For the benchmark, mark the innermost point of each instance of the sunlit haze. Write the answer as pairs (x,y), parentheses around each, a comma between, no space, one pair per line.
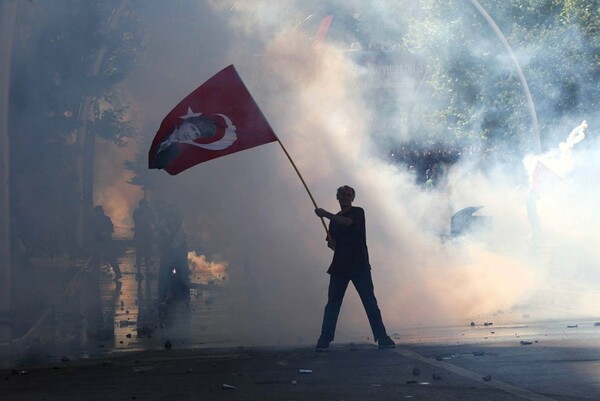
(251,225)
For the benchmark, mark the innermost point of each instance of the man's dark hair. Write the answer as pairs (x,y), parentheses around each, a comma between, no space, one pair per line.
(340,189)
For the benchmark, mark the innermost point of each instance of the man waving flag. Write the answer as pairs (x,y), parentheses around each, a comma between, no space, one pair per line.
(218,118)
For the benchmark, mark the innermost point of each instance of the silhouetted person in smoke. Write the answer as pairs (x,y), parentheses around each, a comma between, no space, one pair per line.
(348,240)
(104,249)
(143,236)
(174,273)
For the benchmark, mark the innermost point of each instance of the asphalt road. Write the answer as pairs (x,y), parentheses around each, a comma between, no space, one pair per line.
(113,347)
(552,371)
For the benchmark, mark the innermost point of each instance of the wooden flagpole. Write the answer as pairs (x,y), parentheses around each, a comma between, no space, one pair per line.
(286,153)
(303,183)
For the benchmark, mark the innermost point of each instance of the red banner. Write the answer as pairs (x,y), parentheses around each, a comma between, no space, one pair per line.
(220,117)
(323,29)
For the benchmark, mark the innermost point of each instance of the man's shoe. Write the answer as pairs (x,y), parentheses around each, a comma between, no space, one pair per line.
(386,342)
(322,345)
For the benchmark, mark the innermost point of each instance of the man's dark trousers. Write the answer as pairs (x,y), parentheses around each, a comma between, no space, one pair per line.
(337,288)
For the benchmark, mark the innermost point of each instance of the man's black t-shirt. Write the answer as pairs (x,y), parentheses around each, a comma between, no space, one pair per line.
(351,254)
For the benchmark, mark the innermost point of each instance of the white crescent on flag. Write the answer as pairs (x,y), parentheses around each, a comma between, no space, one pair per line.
(223,143)
(230,122)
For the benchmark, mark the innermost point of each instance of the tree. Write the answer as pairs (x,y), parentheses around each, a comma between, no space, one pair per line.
(476,90)
(58,49)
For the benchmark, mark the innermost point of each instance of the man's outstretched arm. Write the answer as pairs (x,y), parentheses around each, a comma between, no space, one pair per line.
(343,220)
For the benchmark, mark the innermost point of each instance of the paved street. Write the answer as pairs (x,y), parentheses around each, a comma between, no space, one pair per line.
(346,372)
(111,345)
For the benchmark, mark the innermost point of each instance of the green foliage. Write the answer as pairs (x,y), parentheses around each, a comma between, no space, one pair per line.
(139,166)
(111,122)
(476,90)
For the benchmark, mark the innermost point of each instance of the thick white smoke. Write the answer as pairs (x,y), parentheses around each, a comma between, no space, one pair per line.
(251,210)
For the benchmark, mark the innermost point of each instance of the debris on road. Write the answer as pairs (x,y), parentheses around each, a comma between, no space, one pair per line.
(18,372)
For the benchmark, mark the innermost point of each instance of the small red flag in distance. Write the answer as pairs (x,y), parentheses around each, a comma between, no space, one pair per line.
(323,29)
(220,117)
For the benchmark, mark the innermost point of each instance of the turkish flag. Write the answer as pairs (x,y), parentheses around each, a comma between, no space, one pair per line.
(219,118)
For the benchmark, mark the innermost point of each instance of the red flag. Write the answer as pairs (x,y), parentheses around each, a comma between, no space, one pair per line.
(323,29)
(219,118)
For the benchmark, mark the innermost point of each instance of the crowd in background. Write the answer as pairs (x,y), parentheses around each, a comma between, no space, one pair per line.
(428,163)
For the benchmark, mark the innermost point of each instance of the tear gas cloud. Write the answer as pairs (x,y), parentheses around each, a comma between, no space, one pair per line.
(249,214)
(205,270)
(252,209)
(113,190)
